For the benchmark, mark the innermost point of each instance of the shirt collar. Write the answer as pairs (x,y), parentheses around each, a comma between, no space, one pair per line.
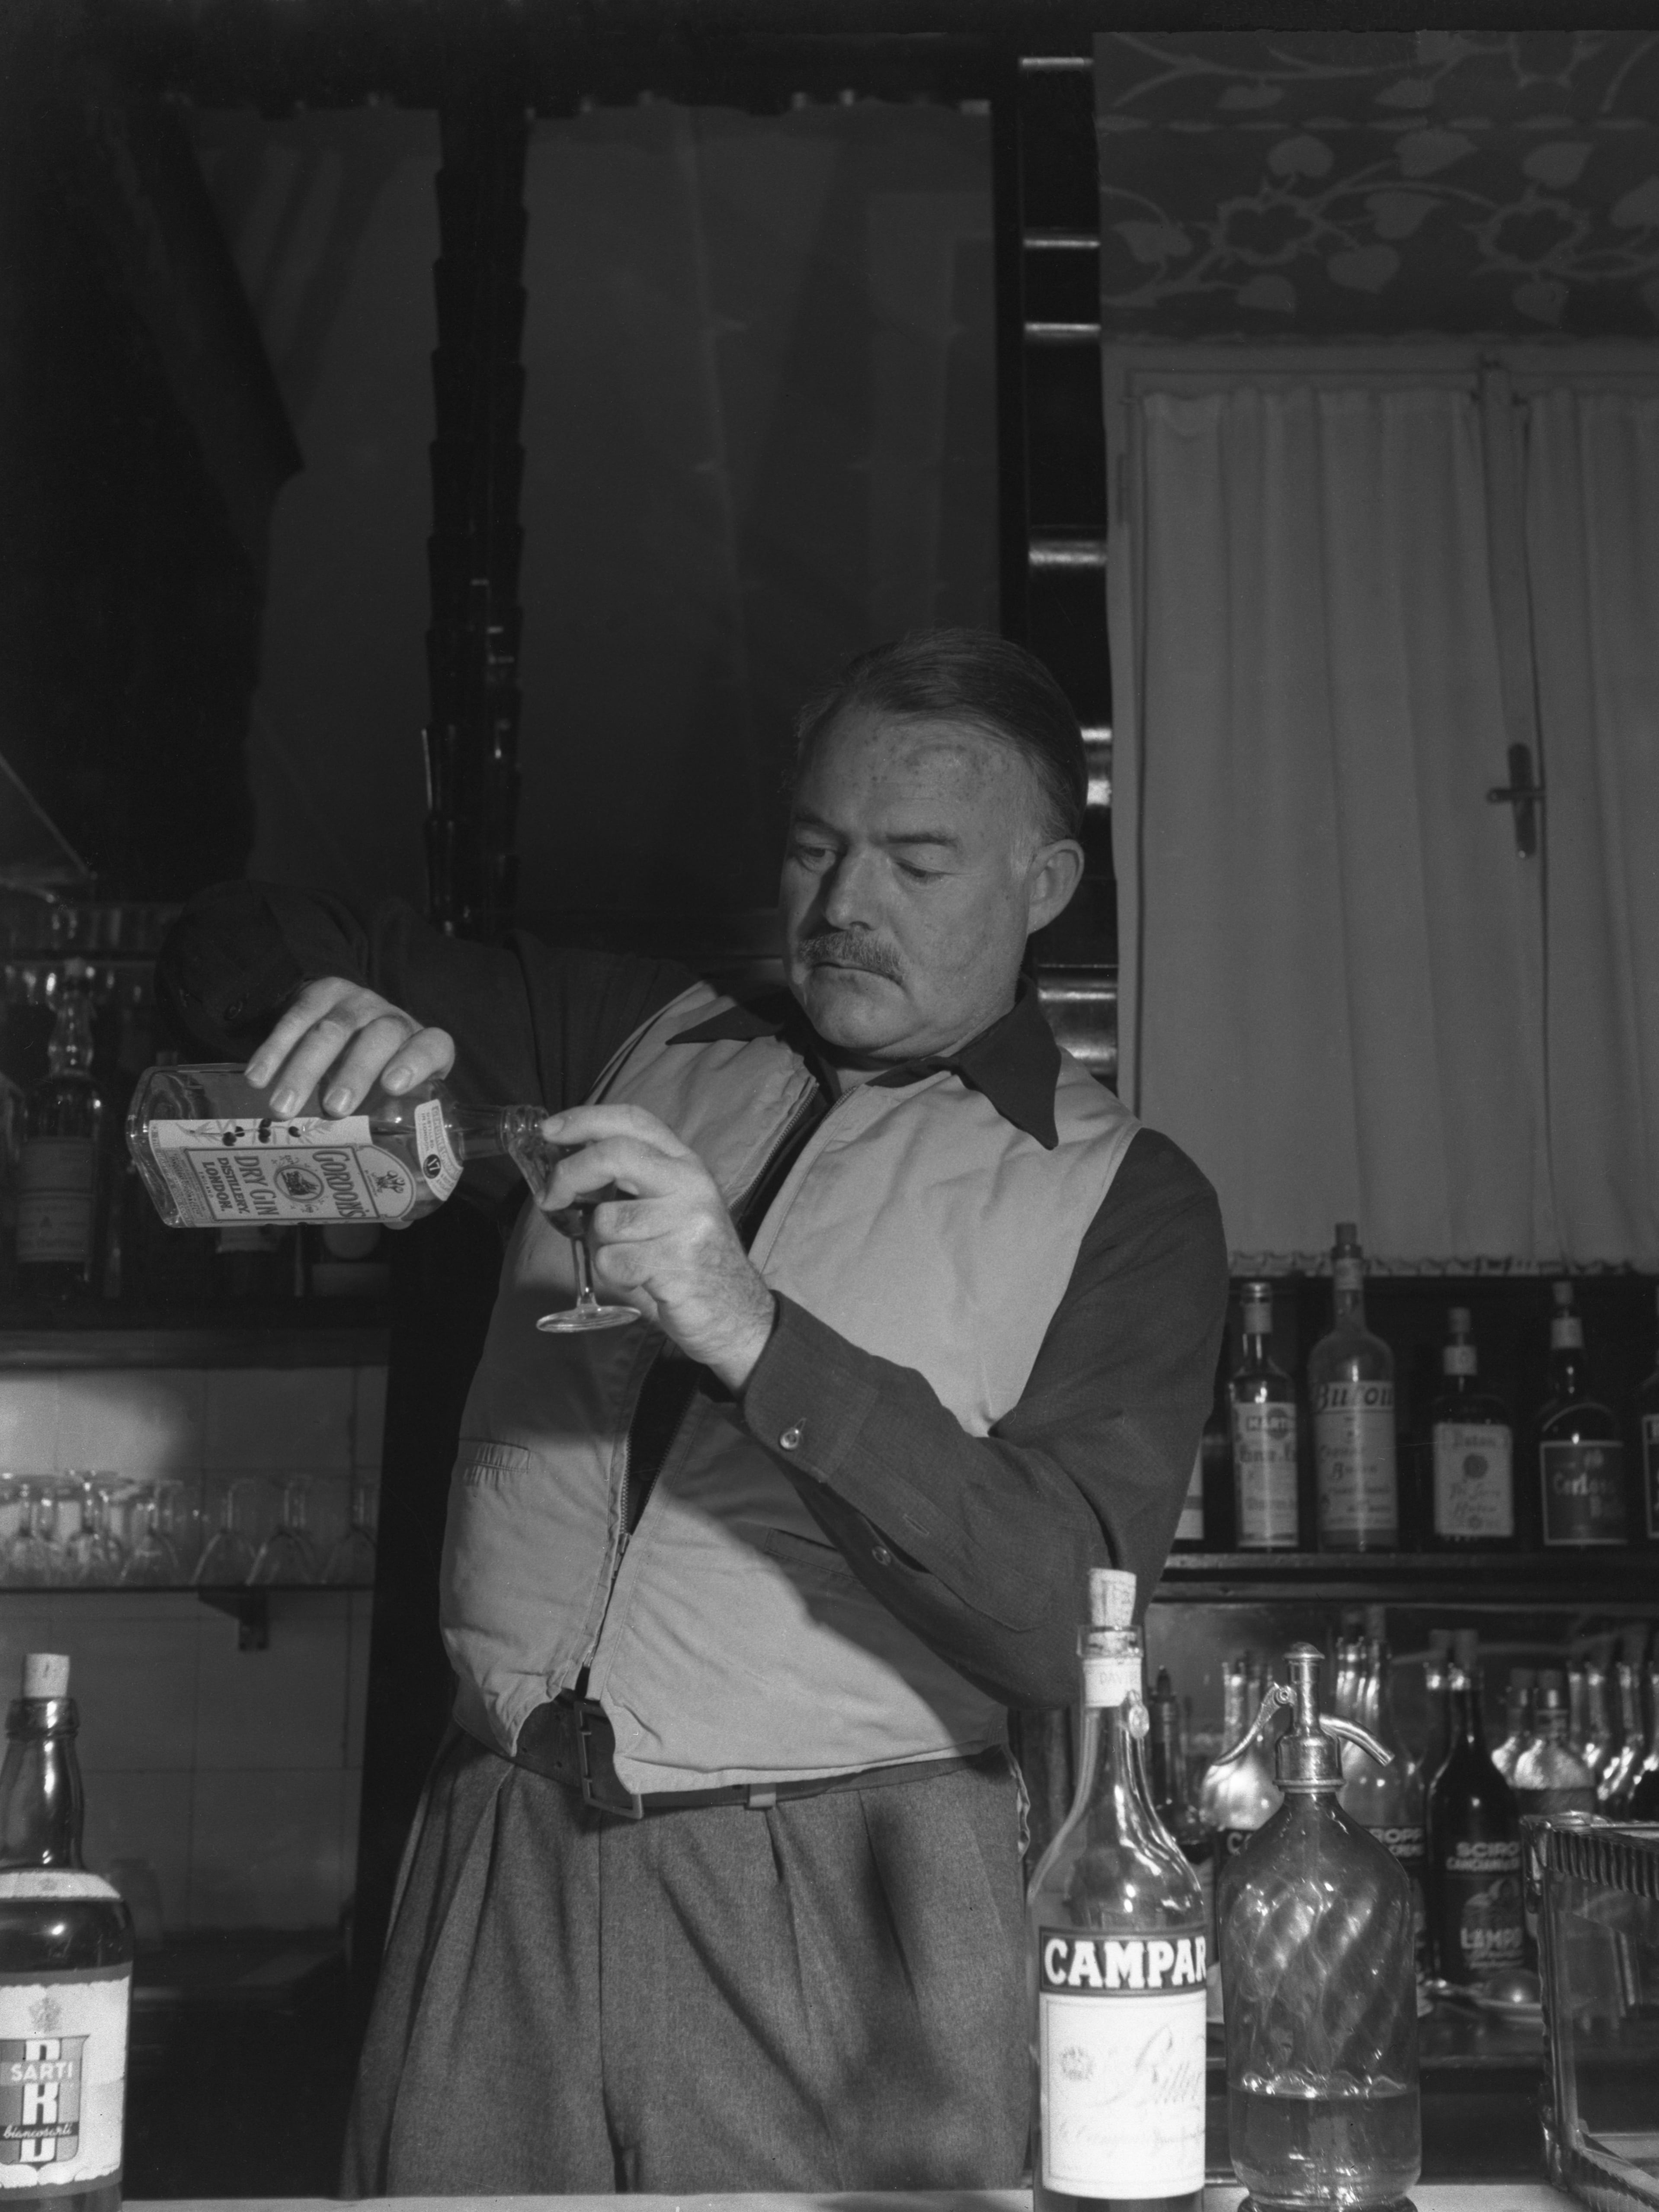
(1015,1063)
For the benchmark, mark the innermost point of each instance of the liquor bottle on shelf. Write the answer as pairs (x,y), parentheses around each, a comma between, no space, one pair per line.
(1647,1417)
(1436,1685)
(1237,1795)
(1171,1787)
(1477,1922)
(1549,1776)
(1517,1721)
(1581,1458)
(1262,1407)
(1471,1454)
(1351,1384)
(1617,1777)
(1589,1731)
(1316,1935)
(66,1945)
(1117,1943)
(1643,1803)
(57,1179)
(1387,1799)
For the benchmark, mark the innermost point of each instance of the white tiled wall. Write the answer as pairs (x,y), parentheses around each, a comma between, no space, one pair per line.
(229,1778)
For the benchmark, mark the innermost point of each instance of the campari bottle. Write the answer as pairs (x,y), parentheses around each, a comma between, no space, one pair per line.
(65,1970)
(1116,1946)
(1263,1405)
(1581,1454)
(1471,1453)
(1351,1383)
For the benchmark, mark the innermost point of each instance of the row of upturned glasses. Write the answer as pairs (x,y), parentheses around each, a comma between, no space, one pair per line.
(91,1528)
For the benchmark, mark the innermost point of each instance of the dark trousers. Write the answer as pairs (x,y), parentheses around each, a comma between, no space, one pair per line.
(826,1994)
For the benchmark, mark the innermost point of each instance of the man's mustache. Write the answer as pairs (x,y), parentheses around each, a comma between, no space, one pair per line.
(847,948)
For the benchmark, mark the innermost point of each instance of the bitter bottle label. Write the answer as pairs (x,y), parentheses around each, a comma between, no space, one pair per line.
(1474,1479)
(1264,1456)
(1121,2061)
(1353,1450)
(1583,1493)
(252,1172)
(56,1179)
(63,2067)
(1481,1909)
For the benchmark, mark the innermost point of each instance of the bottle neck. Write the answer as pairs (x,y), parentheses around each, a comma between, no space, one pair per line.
(70,1051)
(1348,1292)
(1110,1787)
(40,1801)
(1468,1727)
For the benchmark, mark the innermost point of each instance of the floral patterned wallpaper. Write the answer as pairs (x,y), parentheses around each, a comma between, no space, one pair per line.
(1469,184)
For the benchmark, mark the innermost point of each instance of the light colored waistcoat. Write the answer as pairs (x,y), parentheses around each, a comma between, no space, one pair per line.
(728,1641)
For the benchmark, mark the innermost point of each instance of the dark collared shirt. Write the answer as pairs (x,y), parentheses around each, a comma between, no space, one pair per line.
(980,1544)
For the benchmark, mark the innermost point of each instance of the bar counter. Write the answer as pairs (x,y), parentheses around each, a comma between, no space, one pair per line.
(1430,2196)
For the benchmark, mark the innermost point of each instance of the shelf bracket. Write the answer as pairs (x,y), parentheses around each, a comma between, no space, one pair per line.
(249,1608)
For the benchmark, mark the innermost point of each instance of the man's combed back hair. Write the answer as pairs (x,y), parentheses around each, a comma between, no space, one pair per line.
(974,678)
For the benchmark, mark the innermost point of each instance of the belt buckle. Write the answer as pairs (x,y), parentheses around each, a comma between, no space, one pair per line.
(601,1785)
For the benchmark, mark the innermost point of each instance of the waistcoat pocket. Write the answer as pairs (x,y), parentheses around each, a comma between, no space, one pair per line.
(480,1462)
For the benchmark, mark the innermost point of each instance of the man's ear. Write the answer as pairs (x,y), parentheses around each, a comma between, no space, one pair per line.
(1055,873)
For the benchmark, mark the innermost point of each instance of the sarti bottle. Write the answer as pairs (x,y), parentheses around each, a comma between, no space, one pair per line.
(1317,1937)
(65,1970)
(1117,1943)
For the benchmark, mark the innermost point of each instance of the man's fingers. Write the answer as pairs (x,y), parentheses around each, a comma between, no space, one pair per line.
(312,1003)
(590,1125)
(369,1052)
(641,1167)
(339,1038)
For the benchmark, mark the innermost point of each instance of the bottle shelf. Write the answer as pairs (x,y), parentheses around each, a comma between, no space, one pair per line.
(284,1335)
(1556,1582)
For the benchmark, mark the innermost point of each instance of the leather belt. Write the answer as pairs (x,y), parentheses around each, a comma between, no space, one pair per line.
(570,1741)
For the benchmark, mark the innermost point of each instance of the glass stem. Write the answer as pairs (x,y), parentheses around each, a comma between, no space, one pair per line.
(586,1301)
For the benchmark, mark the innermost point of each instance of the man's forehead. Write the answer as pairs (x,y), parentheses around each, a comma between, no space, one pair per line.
(897,757)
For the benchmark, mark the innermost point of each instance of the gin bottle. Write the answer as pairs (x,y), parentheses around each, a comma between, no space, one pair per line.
(1581,1455)
(1117,1943)
(213,1155)
(1262,1402)
(58,1169)
(1471,1453)
(65,1970)
(1351,1383)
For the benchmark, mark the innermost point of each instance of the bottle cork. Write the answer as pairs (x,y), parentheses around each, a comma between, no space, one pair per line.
(45,1674)
(1111,1597)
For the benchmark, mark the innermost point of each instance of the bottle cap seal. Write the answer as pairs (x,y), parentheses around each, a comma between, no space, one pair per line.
(1111,1597)
(45,1674)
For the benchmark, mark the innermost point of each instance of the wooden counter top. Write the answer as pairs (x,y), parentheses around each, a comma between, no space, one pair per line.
(1430,2197)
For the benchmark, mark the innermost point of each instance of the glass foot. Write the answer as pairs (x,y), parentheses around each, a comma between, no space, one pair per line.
(573,1321)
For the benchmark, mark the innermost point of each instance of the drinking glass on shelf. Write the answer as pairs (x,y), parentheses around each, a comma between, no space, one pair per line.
(352,1560)
(287,1554)
(93,1552)
(151,1562)
(178,1520)
(32,1559)
(228,1557)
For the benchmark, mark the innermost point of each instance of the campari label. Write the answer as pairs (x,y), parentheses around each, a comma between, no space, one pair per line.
(1121,2061)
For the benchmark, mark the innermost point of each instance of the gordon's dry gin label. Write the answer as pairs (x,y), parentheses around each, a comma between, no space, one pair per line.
(1583,1486)
(274,1171)
(1264,1466)
(439,1163)
(1353,1454)
(1474,1479)
(1121,2061)
(62,2057)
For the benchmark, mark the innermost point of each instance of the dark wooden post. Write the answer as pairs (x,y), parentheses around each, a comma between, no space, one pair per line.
(478,464)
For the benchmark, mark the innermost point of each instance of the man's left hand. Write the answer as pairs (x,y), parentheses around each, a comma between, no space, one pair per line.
(669,1246)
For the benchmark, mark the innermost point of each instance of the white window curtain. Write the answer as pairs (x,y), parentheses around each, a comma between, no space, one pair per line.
(1334,988)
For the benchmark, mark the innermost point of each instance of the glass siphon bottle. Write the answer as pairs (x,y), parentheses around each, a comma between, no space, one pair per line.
(1319,1989)
(66,1950)
(1549,1776)
(1477,1924)
(1116,1948)
(1581,1457)
(58,1178)
(1471,1453)
(1261,1401)
(1351,1384)
(211,1153)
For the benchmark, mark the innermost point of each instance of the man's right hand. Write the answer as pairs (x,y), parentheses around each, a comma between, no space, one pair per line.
(346,1036)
